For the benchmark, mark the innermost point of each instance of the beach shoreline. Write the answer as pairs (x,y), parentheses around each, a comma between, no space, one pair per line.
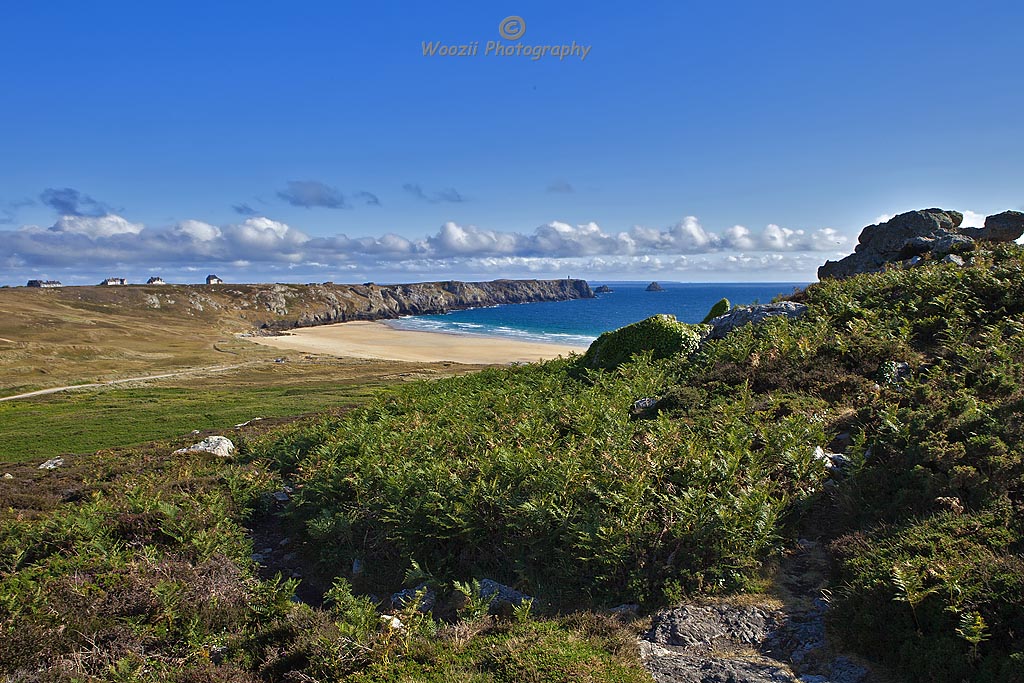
(378,340)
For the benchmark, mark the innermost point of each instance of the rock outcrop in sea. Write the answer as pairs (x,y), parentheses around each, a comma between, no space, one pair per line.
(928,233)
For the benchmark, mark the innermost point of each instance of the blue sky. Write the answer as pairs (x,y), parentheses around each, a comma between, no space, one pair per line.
(314,140)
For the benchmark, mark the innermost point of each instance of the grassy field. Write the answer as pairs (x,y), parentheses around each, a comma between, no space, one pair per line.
(86,420)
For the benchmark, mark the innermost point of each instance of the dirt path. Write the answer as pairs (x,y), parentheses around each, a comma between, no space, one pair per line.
(94,385)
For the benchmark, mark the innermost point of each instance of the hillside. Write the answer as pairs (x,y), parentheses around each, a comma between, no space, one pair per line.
(51,337)
(826,488)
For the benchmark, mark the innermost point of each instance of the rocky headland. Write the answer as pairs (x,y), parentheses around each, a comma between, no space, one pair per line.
(269,308)
(916,236)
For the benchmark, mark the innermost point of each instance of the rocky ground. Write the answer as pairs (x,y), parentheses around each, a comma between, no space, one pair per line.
(761,642)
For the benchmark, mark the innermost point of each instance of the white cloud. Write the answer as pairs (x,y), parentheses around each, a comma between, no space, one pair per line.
(197,230)
(111,241)
(97,226)
(973,220)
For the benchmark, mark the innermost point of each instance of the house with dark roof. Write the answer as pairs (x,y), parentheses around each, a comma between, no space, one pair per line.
(213,280)
(45,284)
(114,282)
(156,280)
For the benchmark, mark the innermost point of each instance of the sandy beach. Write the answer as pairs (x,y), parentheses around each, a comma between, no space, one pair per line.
(377,340)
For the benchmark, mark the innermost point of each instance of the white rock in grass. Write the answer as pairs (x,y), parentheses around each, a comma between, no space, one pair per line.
(218,445)
(52,464)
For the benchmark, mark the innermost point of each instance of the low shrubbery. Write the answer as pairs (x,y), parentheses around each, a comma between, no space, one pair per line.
(661,335)
(544,478)
(540,477)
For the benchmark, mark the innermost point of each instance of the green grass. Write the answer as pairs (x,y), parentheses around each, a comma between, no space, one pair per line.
(88,420)
(540,477)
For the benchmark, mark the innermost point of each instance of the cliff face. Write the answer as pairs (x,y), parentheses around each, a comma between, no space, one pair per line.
(274,307)
(326,304)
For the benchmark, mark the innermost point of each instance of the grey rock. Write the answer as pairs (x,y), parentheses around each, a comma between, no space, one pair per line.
(894,373)
(496,594)
(954,259)
(217,445)
(408,596)
(281,496)
(914,234)
(668,667)
(693,644)
(8,475)
(1002,227)
(627,610)
(644,403)
(655,287)
(693,626)
(951,244)
(744,315)
(835,463)
(392,621)
(52,464)
(951,503)
(845,670)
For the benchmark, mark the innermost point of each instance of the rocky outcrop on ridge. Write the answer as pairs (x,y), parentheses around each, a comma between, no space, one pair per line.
(935,233)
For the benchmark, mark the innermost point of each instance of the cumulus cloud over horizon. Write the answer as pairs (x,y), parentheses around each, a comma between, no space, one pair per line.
(110,240)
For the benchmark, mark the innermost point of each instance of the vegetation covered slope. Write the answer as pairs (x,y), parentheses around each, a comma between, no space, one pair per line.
(538,475)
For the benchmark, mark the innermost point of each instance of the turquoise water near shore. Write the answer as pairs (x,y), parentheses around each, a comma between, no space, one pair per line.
(580,321)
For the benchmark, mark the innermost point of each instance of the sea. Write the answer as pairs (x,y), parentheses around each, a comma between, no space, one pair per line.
(578,322)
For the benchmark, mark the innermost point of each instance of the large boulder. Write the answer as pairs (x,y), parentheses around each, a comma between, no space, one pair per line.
(1002,227)
(744,315)
(934,232)
(217,445)
(886,242)
(661,334)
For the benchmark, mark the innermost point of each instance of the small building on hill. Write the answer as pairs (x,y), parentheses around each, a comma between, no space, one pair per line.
(156,280)
(213,280)
(114,282)
(45,284)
